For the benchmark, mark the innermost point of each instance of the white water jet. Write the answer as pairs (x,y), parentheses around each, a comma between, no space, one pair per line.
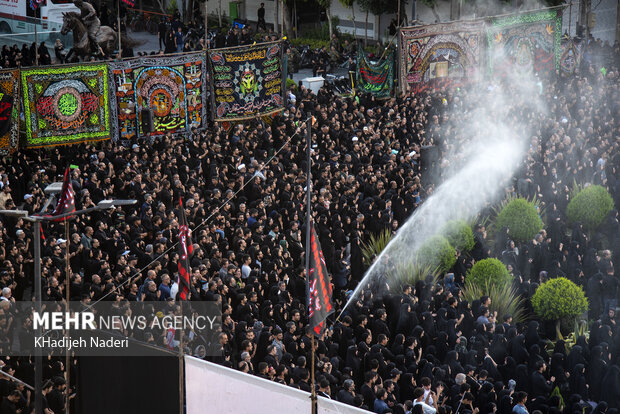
(490,146)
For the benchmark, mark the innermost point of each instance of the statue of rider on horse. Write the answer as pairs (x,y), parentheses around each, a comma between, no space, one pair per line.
(89,37)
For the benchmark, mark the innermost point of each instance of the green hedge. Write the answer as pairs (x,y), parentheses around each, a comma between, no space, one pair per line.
(521,217)
(559,298)
(290,82)
(487,273)
(312,42)
(438,253)
(590,207)
(459,235)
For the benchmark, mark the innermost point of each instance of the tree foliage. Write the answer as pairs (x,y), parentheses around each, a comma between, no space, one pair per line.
(438,253)
(590,207)
(459,235)
(521,217)
(559,298)
(488,273)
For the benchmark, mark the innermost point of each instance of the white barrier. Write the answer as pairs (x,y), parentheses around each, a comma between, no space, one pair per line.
(212,388)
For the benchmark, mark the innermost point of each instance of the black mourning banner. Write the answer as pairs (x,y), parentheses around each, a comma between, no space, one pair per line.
(319,288)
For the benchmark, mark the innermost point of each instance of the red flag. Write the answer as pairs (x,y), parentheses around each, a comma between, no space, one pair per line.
(319,289)
(66,203)
(186,249)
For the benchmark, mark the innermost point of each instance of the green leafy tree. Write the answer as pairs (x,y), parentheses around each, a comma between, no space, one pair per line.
(590,207)
(522,219)
(438,253)
(559,299)
(459,235)
(487,273)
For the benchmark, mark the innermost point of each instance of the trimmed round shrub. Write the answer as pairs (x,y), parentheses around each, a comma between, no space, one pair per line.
(459,235)
(487,273)
(559,298)
(590,206)
(521,217)
(438,253)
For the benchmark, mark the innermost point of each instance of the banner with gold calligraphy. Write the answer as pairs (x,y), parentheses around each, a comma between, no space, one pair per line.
(65,104)
(172,90)
(9,110)
(246,81)
(525,44)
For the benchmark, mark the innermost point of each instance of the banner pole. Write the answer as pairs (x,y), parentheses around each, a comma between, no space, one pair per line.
(313,395)
(308,230)
(67,297)
(118,20)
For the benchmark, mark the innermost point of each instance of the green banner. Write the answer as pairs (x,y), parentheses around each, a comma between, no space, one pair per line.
(376,79)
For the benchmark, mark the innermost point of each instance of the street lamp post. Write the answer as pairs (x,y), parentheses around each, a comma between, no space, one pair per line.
(51,190)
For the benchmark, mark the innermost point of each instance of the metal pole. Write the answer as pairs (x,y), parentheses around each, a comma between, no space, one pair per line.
(181,382)
(282,14)
(398,14)
(570,17)
(206,25)
(36,44)
(308,231)
(38,359)
(118,21)
(67,296)
(313,395)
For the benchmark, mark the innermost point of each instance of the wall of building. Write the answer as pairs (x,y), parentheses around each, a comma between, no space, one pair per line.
(605,11)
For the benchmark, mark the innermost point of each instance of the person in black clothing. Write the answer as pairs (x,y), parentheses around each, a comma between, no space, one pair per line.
(540,387)
(162,29)
(56,397)
(261,18)
(9,403)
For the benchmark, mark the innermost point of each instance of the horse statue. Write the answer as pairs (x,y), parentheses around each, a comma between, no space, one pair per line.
(106,37)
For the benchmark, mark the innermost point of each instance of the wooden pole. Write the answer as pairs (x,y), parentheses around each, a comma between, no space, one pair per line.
(67,297)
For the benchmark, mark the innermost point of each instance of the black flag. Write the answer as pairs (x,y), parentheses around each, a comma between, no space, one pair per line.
(319,289)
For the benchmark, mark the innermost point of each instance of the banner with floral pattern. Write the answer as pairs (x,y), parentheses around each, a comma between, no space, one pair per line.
(437,56)
(172,88)
(66,104)
(9,110)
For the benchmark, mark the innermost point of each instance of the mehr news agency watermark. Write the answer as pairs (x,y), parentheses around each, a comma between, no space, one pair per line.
(115,328)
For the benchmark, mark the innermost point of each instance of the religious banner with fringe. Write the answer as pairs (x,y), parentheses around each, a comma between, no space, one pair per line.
(171,90)
(246,81)
(9,110)
(65,104)
(437,56)
(525,44)
(570,59)
(375,78)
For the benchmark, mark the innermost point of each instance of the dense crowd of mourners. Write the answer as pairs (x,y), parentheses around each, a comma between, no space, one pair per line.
(418,349)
